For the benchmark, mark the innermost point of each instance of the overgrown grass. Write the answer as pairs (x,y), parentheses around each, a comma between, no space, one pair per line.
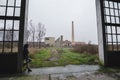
(69,57)
(65,57)
(39,58)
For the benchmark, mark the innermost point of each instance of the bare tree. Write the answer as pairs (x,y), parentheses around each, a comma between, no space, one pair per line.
(36,32)
(32,32)
(40,33)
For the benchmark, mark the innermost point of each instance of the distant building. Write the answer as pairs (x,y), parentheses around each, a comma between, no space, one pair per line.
(50,41)
(36,44)
(78,43)
(59,41)
(67,43)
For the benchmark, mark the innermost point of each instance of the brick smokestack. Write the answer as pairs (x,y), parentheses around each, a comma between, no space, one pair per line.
(72,32)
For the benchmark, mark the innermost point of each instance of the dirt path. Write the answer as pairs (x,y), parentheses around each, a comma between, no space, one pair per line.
(55,55)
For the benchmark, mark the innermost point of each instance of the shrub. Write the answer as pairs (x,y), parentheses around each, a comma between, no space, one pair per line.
(87,48)
(34,50)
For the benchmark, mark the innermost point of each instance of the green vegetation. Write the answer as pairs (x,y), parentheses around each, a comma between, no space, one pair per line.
(109,70)
(61,57)
(39,59)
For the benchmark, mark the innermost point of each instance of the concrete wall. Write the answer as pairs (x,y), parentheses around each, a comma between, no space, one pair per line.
(100,30)
(50,41)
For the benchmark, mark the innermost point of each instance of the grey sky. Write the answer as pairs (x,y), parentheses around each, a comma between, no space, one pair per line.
(57,15)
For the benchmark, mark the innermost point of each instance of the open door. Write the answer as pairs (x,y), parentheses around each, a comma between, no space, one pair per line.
(12,24)
(108,18)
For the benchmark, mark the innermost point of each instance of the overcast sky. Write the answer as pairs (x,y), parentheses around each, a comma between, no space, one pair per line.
(57,16)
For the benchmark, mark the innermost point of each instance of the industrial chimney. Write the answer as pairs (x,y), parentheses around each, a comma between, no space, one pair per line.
(72,31)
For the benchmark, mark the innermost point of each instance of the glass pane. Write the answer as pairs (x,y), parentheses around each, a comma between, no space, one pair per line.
(113,19)
(18,2)
(111,4)
(119,12)
(109,46)
(114,38)
(7,47)
(8,35)
(117,20)
(108,19)
(115,46)
(119,46)
(108,29)
(113,30)
(116,12)
(9,24)
(119,5)
(17,11)
(2,2)
(15,35)
(11,2)
(2,11)
(1,35)
(107,11)
(16,25)
(118,38)
(118,30)
(115,5)
(109,38)
(15,46)
(10,11)
(111,11)
(1,24)
(106,4)
(1,46)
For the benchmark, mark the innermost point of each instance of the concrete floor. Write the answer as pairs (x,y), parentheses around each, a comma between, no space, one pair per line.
(70,72)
